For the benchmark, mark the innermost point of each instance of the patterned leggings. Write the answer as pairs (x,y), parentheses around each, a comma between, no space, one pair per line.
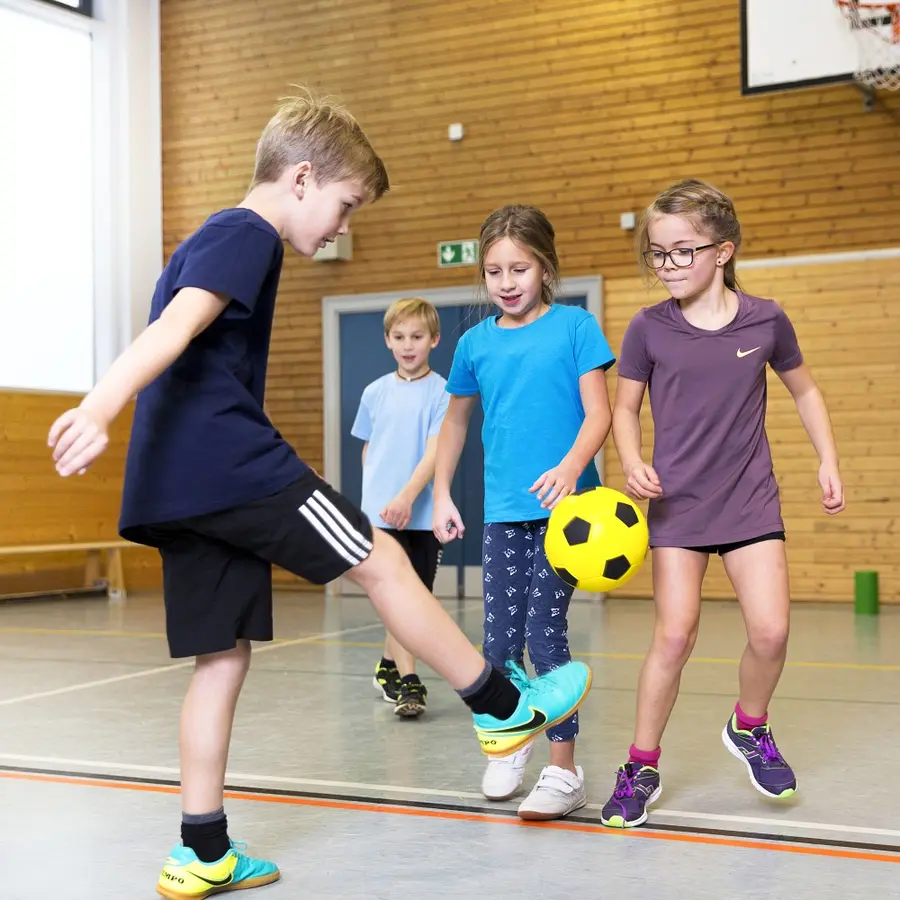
(525,602)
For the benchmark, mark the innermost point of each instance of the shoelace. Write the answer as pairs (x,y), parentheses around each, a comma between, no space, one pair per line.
(625,783)
(417,689)
(521,680)
(518,676)
(768,751)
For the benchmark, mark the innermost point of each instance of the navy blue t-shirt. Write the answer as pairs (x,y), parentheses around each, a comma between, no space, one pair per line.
(201,441)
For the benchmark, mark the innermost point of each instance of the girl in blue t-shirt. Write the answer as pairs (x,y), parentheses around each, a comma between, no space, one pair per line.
(539,369)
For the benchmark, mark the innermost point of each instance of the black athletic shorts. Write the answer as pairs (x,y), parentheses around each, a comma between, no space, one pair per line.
(722,549)
(217,567)
(424,551)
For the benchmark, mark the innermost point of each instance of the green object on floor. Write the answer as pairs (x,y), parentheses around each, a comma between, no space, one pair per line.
(865,594)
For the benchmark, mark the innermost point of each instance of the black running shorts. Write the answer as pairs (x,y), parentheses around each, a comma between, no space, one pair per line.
(217,567)
(424,551)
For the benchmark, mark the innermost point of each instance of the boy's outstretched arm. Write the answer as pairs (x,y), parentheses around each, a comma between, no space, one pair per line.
(79,435)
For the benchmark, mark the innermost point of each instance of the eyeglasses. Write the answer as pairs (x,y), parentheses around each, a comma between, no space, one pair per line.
(681,257)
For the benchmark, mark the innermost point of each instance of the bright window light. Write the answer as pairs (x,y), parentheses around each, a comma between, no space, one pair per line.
(46,230)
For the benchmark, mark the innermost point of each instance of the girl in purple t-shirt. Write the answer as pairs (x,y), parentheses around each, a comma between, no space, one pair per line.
(703,355)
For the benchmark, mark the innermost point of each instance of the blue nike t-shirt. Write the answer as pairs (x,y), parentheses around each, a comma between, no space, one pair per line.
(201,440)
(528,381)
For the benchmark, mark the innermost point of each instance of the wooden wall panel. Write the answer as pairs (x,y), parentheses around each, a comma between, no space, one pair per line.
(39,507)
(584,108)
(847,323)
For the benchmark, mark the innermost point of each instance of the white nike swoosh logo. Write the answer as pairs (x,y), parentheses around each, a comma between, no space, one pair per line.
(742,353)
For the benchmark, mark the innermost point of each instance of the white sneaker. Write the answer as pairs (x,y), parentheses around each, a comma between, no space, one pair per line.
(557,793)
(504,776)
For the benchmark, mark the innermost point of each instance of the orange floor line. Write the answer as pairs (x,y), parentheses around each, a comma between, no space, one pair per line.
(462,816)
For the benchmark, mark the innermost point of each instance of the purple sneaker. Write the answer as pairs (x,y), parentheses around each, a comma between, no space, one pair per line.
(769,773)
(635,790)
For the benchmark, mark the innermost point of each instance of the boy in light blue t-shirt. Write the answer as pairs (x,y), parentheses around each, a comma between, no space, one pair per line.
(399,417)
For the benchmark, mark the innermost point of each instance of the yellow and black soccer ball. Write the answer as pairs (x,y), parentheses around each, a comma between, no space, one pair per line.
(596,539)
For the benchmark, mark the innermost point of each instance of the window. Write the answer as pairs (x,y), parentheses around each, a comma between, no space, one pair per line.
(82,6)
(46,181)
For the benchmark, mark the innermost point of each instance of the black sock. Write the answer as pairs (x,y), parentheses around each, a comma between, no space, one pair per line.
(387,663)
(492,694)
(206,835)
(412,678)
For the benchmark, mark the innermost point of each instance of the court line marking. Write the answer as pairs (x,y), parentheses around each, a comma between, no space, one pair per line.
(325,640)
(174,667)
(284,781)
(103,632)
(461,816)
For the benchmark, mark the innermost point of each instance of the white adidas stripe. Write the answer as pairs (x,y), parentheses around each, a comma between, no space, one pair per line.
(334,528)
(361,539)
(327,535)
(343,531)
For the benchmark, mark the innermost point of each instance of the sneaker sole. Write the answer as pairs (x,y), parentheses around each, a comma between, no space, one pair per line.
(409,710)
(533,815)
(509,749)
(384,694)
(499,798)
(619,822)
(244,885)
(784,795)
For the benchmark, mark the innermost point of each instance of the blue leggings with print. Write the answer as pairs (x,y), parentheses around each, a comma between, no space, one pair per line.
(525,602)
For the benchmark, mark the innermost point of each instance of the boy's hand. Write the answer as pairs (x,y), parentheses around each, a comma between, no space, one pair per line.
(398,512)
(832,489)
(642,482)
(555,484)
(78,438)
(447,522)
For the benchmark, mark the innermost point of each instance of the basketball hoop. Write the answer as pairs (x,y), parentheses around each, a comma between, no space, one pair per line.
(876,29)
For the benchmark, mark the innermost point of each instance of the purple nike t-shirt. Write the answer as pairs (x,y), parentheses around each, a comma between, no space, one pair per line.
(708,399)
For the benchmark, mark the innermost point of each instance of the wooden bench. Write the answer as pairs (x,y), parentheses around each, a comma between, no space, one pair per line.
(103,568)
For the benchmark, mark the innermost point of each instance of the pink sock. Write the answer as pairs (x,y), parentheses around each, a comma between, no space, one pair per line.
(748,723)
(644,757)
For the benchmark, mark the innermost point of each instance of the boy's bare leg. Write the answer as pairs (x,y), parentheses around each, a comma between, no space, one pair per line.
(413,615)
(206,720)
(393,649)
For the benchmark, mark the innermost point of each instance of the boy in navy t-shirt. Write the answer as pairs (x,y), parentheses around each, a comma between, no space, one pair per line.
(399,418)
(212,484)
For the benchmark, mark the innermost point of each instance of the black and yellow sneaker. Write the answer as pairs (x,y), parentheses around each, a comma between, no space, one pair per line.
(413,694)
(387,680)
(185,877)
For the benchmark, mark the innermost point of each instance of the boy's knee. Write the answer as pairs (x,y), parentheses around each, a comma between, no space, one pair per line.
(387,560)
(232,663)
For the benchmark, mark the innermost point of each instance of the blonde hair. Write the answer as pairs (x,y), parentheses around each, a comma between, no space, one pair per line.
(411,308)
(316,129)
(530,229)
(709,211)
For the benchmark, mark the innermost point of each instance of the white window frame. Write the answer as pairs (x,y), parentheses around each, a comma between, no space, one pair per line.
(127,161)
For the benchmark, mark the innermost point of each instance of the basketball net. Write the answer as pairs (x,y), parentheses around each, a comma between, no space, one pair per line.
(876,30)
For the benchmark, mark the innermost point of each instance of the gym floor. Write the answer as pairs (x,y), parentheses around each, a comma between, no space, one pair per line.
(352,802)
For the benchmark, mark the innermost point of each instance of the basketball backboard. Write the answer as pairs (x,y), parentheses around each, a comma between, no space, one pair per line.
(793,44)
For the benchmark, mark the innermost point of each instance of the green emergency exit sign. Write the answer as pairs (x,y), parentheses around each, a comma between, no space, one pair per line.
(457,253)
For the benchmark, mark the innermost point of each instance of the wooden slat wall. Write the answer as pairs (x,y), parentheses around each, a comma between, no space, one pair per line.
(584,108)
(848,326)
(40,507)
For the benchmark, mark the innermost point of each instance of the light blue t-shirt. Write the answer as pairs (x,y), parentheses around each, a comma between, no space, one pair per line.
(397,417)
(528,381)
